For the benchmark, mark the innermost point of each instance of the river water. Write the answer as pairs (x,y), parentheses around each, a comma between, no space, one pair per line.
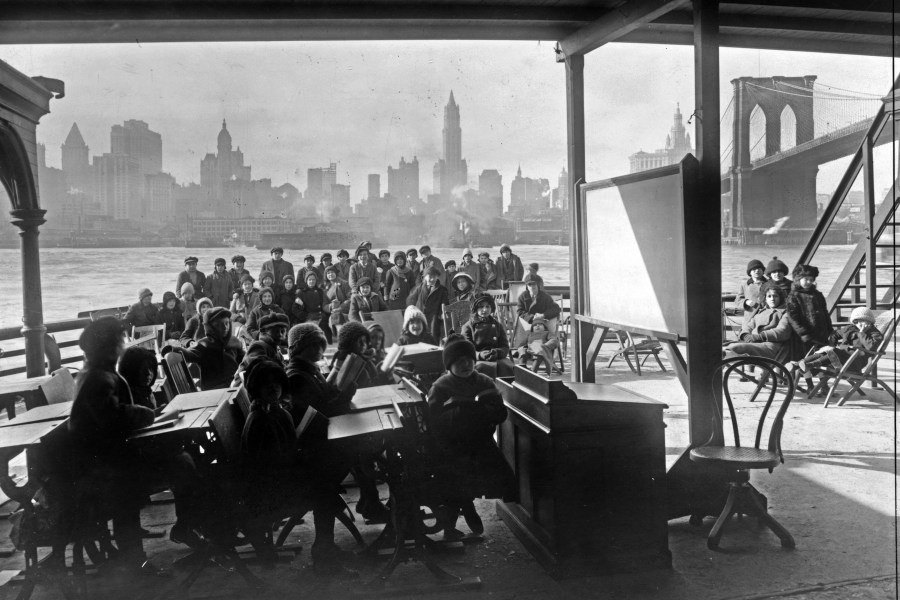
(75,280)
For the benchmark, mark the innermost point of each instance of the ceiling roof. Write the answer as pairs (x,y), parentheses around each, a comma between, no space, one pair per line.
(839,26)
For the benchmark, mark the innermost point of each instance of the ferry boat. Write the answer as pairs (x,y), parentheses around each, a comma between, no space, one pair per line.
(320,235)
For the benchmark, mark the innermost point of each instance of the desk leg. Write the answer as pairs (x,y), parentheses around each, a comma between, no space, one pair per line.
(588,374)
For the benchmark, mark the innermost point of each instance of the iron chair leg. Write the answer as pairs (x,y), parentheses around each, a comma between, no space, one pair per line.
(738,492)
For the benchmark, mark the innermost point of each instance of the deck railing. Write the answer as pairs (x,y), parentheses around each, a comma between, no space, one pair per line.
(13,345)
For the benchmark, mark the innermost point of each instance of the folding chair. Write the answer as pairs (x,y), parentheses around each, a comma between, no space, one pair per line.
(520,333)
(157,330)
(629,349)
(177,372)
(456,315)
(59,388)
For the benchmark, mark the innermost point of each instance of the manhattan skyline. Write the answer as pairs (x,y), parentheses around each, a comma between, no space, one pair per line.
(292,106)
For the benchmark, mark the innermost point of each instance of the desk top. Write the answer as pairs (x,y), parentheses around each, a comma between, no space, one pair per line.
(370,422)
(380,396)
(189,422)
(26,434)
(51,412)
(24,385)
(602,392)
(199,400)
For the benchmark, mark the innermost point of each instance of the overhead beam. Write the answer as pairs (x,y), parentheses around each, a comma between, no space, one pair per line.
(617,22)
(870,6)
(774,23)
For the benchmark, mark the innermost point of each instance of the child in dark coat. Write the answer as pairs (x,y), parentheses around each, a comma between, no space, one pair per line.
(287,299)
(539,344)
(777,273)
(170,315)
(139,369)
(143,312)
(364,303)
(429,297)
(218,354)
(465,409)
(489,337)
(808,311)
(860,333)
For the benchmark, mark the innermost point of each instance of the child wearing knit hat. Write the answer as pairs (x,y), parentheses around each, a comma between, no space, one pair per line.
(748,298)
(861,333)
(415,328)
(143,312)
(465,409)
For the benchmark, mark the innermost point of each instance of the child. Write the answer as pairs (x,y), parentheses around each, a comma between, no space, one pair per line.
(464,428)
(364,303)
(450,268)
(777,272)
(488,274)
(219,286)
(398,282)
(414,328)
(532,268)
(188,304)
(489,337)
(273,478)
(353,339)
(767,331)
(324,263)
(808,311)
(139,369)
(266,305)
(143,312)
(244,301)
(384,265)
(337,306)
(286,298)
(429,297)
(860,333)
(273,329)
(217,354)
(539,344)
(170,315)
(193,331)
(462,288)
(311,302)
(411,255)
(343,266)
(748,298)
(535,302)
(309,267)
(472,268)
(237,271)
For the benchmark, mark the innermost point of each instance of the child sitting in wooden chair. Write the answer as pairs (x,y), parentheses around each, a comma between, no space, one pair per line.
(540,344)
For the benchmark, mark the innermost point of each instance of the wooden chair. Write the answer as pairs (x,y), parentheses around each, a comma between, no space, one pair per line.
(630,349)
(59,388)
(177,372)
(391,322)
(158,330)
(514,289)
(735,462)
(456,315)
(887,325)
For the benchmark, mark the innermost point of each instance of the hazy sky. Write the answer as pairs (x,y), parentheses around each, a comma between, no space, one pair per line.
(292,106)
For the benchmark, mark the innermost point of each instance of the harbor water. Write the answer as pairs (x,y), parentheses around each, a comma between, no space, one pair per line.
(76,280)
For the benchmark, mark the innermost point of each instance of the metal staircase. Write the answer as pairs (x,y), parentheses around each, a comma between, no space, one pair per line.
(877,287)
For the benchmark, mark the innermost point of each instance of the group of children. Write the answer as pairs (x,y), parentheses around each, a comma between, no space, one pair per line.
(788,321)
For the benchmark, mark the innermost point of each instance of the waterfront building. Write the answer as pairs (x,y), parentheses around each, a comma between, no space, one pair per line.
(678,144)
(451,170)
(403,184)
(527,195)
(374,186)
(247,230)
(217,169)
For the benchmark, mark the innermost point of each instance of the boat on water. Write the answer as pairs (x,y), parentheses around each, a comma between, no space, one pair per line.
(320,235)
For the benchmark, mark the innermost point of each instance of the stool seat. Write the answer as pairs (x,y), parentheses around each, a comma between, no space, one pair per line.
(736,457)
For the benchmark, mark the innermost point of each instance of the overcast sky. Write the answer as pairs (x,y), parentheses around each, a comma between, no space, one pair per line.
(363,105)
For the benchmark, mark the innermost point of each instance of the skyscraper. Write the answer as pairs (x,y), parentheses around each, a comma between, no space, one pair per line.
(76,162)
(374,186)
(403,184)
(490,191)
(216,169)
(137,140)
(678,143)
(451,170)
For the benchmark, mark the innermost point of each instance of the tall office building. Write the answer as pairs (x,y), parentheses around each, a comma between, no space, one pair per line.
(490,192)
(374,186)
(119,185)
(403,184)
(451,170)
(561,193)
(76,163)
(528,196)
(216,169)
(678,144)
(137,140)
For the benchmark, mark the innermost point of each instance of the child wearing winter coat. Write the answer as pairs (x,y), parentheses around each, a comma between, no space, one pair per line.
(860,333)
(287,297)
(188,303)
(748,298)
(462,288)
(415,328)
(364,303)
(767,331)
(808,311)
(489,337)
(337,305)
(398,282)
(193,330)
(170,315)
(464,411)
(244,301)
(539,345)
(429,297)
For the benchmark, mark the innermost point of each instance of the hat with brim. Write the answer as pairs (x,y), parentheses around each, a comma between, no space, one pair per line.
(191,259)
(273,320)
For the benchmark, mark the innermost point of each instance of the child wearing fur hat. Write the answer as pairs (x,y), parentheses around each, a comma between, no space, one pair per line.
(143,312)
(429,297)
(219,285)
(193,330)
(489,337)
(464,410)
(170,315)
(354,339)
(244,301)
(217,354)
(861,333)
(188,302)
(266,306)
(462,288)
(398,282)
(808,311)
(364,302)
(748,298)
(777,273)
(415,328)
(539,345)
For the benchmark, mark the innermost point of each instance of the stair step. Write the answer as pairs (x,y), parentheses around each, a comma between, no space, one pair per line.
(862,286)
(856,304)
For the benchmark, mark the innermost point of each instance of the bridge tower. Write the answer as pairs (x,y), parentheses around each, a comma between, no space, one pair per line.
(756,200)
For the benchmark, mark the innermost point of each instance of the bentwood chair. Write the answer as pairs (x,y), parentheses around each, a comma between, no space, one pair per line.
(456,315)
(735,462)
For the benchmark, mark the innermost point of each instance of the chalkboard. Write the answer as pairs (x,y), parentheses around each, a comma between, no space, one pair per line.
(633,250)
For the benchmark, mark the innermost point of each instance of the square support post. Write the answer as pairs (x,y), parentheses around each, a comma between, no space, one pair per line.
(703,248)
(575,145)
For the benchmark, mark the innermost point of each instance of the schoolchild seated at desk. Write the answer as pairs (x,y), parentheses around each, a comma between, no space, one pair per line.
(102,416)
(139,369)
(376,346)
(273,476)
(415,328)
(464,415)
(273,330)
(218,354)
(489,337)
